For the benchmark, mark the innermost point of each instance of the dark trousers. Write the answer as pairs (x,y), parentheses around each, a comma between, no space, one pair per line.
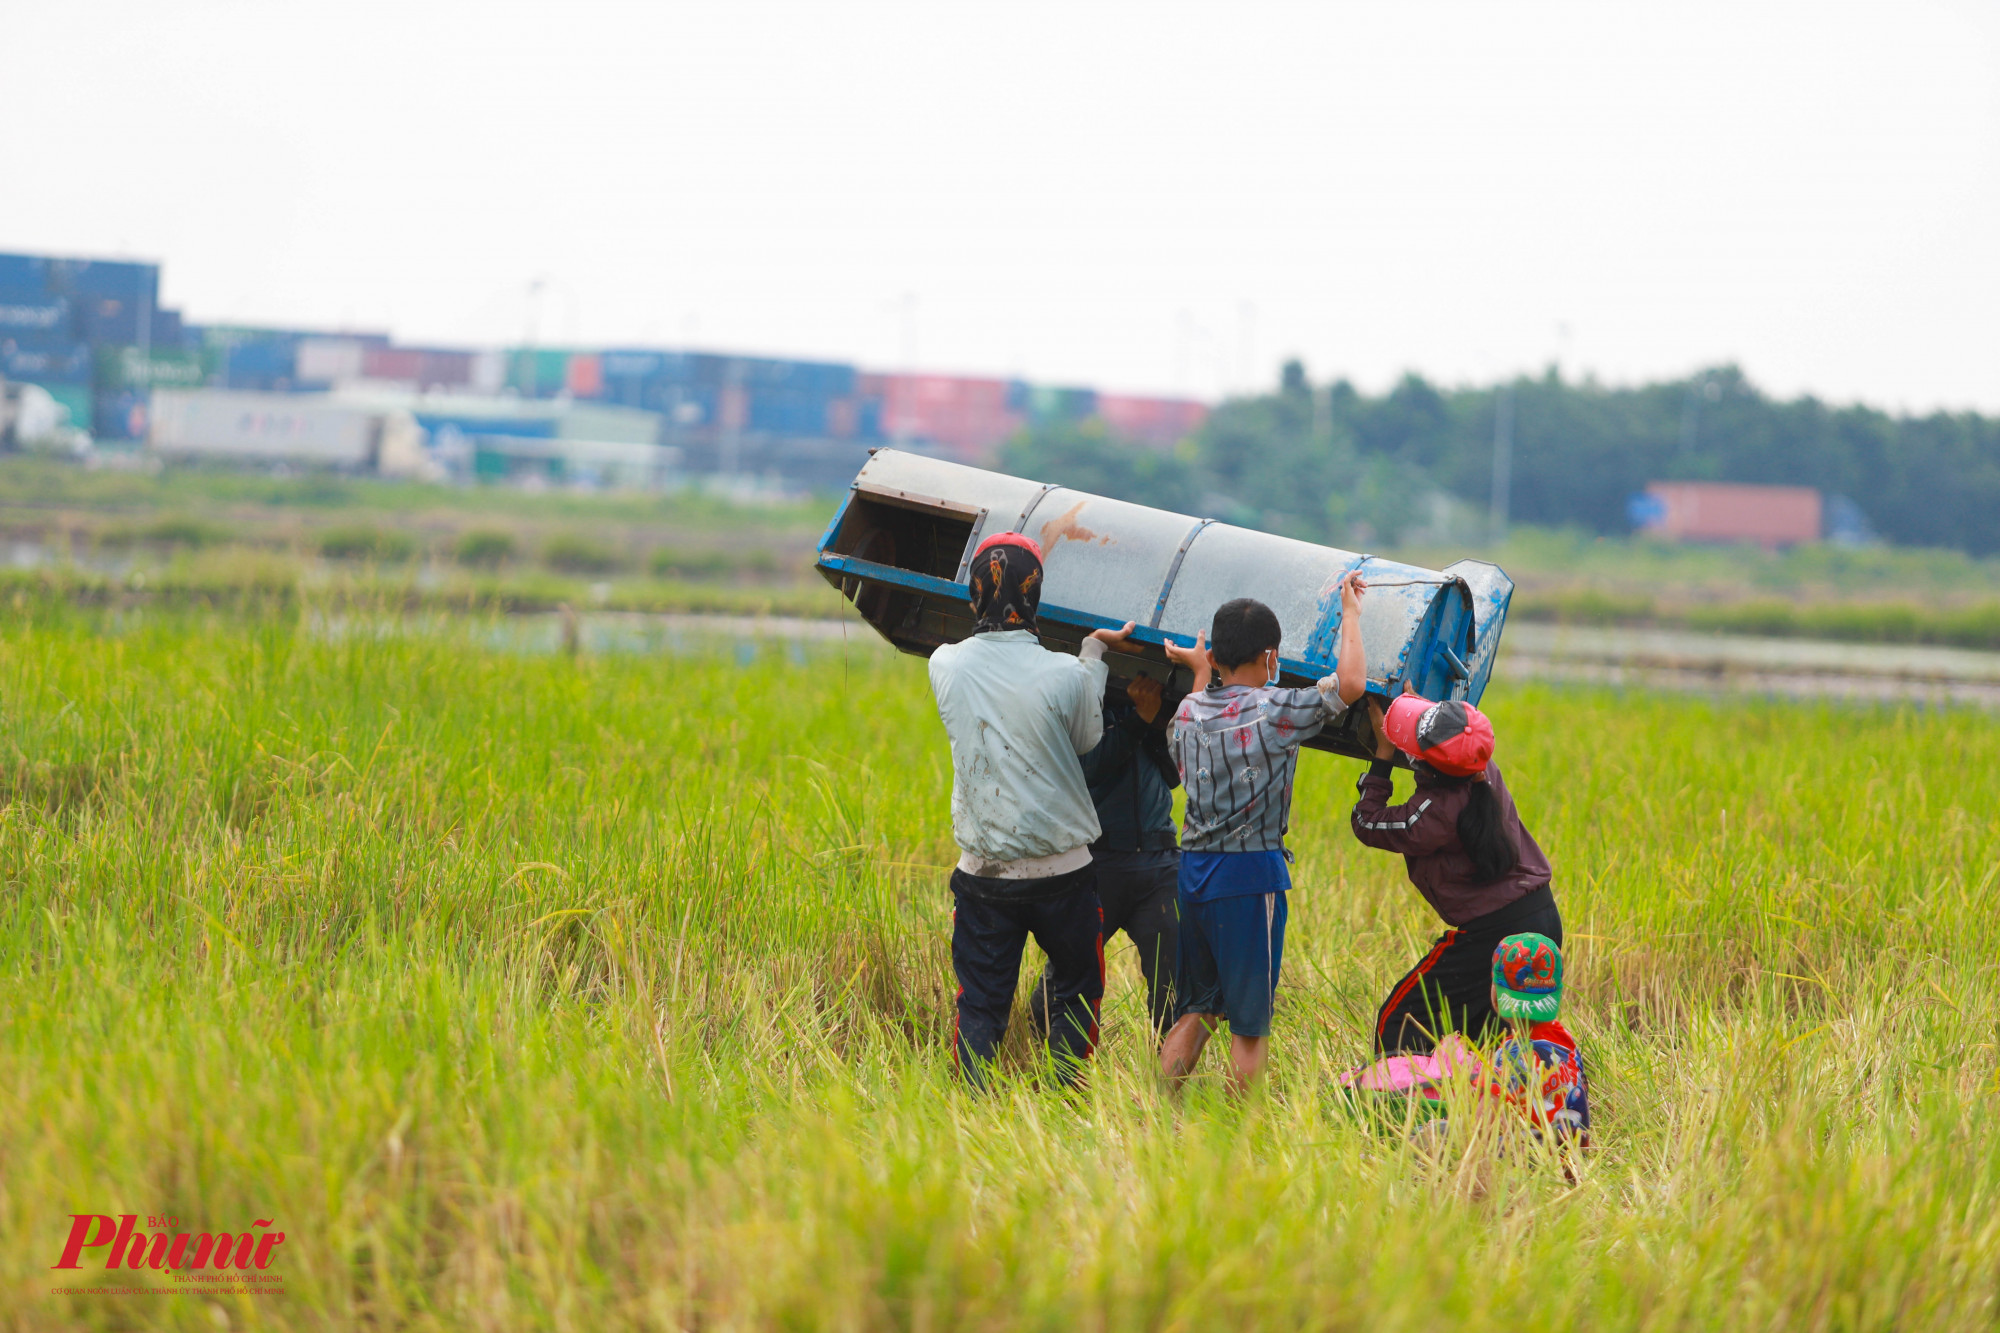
(1450,990)
(988,932)
(1138,893)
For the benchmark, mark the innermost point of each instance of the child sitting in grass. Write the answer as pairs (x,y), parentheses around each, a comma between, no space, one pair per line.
(1535,1072)
(1537,1069)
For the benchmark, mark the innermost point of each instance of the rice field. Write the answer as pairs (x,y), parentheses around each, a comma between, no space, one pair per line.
(613,992)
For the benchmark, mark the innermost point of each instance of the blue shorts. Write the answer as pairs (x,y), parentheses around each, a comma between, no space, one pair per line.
(1230,951)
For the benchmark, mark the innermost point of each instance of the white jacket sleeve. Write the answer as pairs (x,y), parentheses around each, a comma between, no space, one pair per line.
(1086,718)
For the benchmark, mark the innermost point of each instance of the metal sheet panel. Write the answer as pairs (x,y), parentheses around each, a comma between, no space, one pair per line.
(1005,499)
(1291,577)
(1492,591)
(1105,557)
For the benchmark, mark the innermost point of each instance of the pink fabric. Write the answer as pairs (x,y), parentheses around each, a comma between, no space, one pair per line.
(1411,1073)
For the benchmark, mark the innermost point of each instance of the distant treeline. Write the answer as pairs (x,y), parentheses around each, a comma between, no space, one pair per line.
(1330,463)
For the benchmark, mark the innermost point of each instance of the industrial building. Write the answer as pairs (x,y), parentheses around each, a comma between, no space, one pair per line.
(92,337)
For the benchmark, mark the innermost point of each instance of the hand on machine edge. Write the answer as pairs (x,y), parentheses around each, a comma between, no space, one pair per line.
(1352,588)
(1146,696)
(1114,640)
(1384,748)
(1195,659)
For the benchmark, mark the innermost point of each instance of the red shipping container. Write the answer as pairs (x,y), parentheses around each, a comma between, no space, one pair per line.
(966,418)
(586,375)
(733,412)
(1771,516)
(391,363)
(412,365)
(1155,421)
(446,368)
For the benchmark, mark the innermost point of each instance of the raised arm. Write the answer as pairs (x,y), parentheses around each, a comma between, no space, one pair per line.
(1352,666)
(1086,721)
(1410,828)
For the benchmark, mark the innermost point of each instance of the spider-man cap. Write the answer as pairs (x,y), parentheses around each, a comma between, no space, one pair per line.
(1452,737)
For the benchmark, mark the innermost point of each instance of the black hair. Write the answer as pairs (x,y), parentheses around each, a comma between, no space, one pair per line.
(1483,831)
(1482,828)
(1242,629)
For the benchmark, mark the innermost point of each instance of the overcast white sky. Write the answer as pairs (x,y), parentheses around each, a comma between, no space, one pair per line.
(1151,197)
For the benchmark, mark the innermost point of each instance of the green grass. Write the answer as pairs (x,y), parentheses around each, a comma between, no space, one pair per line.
(530,992)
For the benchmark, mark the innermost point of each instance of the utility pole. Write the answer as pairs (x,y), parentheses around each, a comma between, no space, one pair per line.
(1503,459)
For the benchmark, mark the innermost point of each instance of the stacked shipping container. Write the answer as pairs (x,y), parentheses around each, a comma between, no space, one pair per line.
(93,335)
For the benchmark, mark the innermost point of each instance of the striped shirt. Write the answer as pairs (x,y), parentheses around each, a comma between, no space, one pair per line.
(1237,748)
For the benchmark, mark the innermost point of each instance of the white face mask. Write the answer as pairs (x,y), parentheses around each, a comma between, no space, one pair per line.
(1274,666)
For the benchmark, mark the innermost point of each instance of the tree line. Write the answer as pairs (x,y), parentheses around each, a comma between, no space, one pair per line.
(1331,463)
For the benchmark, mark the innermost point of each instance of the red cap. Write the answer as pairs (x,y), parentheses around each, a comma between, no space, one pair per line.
(1019,539)
(1452,737)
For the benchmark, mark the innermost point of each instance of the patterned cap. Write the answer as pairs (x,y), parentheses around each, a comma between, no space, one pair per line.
(1006,579)
(1528,978)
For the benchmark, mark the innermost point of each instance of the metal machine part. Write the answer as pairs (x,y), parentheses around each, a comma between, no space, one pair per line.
(901,543)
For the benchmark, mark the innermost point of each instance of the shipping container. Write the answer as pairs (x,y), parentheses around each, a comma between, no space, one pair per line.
(120,414)
(537,372)
(24,273)
(109,319)
(328,361)
(786,412)
(963,417)
(45,315)
(44,362)
(134,286)
(1050,404)
(130,368)
(265,363)
(167,330)
(584,377)
(1771,516)
(426,368)
(265,427)
(1155,421)
(826,379)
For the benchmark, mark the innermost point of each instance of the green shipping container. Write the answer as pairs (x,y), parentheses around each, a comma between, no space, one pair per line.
(129,368)
(539,372)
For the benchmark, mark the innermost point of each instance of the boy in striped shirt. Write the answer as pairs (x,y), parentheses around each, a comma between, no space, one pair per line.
(1237,746)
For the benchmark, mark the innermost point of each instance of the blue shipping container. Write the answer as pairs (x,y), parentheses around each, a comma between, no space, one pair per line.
(794,414)
(263,363)
(121,415)
(48,316)
(24,273)
(827,379)
(132,284)
(108,319)
(64,363)
(868,421)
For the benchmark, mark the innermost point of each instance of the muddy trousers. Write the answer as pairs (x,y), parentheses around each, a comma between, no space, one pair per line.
(1450,989)
(1140,893)
(988,934)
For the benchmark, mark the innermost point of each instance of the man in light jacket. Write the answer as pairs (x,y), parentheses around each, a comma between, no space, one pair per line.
(1018,715)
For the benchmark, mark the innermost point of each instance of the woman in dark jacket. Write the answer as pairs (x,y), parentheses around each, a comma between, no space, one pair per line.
(1467,854)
